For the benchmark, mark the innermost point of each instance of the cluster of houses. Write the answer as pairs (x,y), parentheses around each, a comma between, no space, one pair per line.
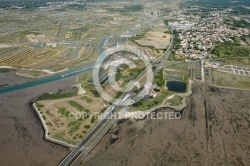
(198,35)
(49,4)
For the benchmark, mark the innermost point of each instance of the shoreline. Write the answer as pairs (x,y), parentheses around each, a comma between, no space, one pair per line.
(146,112)
(46,136)
(47,72)
(22,131)
(129,115)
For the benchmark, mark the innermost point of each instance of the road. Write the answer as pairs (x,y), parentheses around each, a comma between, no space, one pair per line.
(71,73)
(111,110)
(77,150)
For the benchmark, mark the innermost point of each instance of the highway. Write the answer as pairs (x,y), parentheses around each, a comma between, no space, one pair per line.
(98,137)
(73,154)
(111,110)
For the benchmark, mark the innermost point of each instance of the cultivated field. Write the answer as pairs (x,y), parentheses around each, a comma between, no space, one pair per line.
(158,40)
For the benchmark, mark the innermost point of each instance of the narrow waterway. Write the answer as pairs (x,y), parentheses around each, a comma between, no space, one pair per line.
(46,80)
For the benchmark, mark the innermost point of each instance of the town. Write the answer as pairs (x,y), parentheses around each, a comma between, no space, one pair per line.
(132,83)
(198,35)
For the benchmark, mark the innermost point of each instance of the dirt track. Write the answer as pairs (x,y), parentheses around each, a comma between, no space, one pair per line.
(214,130)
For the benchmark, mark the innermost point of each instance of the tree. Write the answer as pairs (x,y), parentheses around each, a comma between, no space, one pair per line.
(166,22)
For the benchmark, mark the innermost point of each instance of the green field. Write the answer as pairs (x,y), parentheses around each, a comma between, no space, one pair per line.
(4,70)
(230,80)
(87,99)
(176,101)
(78,106)
(61,137)
(152,102)
(59,95)
(63,111)
(231,50)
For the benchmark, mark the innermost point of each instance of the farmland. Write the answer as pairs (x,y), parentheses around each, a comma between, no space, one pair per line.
(153,40)
(58,39)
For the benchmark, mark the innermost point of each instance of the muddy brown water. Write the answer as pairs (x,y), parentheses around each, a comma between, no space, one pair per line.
(21,133)
(213,130)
